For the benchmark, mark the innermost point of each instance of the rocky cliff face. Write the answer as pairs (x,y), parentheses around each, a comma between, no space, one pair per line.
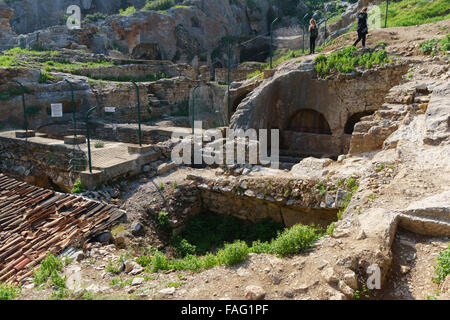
(196,29)
(32,15)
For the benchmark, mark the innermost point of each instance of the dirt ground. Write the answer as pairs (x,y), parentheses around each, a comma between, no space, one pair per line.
(398,39)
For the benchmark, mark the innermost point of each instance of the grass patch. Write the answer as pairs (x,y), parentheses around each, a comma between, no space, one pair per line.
(9,292)
(434,46)
(159,5)
(291,241)
(207,231)
(414,12)
(345,61)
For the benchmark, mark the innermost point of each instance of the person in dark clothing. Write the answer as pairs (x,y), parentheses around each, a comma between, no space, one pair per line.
(313,34)
(363,29)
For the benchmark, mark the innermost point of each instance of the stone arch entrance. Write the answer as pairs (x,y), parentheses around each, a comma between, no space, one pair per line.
(354,119)
(308,121)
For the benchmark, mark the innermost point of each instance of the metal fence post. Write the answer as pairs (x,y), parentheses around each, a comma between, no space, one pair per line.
(88,137)
(139,114)
(25,122)
(193,107)
(271,41)
(73,111)
(387,7)
(229,80)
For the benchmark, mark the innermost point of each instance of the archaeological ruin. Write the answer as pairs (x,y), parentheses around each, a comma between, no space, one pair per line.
(94,204)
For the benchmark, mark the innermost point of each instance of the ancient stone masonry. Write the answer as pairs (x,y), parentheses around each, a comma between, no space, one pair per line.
(39,97)
(402,103)
(46,167)
(312,114)
(141,70)
(221,74)
(288,201)
(6,13)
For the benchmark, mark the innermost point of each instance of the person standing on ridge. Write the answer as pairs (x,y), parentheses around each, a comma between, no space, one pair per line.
(363,29)
(313,34)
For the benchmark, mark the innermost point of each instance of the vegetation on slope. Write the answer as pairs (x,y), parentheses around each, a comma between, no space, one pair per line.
(206,242)
(415,12)
(442,268)
(436,46)
(8,292)
(345,61)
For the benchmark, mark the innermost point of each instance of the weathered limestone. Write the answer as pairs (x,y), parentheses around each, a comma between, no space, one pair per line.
(312,114)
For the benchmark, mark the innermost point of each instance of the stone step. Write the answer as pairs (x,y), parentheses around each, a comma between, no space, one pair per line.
(425,225)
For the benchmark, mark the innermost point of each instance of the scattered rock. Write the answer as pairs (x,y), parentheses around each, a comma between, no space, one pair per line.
(330,275)
(166,167)
(404,269)
(105,237)
(137,281)
(137,229)
(254,293)
(351,280)
(167,291)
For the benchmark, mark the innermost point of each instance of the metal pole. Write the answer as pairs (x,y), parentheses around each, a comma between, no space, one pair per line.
(25,122)
(139,114)
(387,7)
(193,107)
(73,111)
(229,78)
(88,137)
(271,41)
(303,27)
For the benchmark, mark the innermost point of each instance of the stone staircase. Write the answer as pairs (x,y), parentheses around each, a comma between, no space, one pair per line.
(401,101)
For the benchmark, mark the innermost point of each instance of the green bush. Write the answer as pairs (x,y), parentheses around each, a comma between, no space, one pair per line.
(45,76)
(78,187)
(209,231)
(233,253)
(345,61)
(163,221)
(159,262)
(182,246)
(435,46)
(209,261)
(95,17)
(8,292)
(190,262)
(159,5)
(294,240)
(48,266)
(128,11)
(442,268)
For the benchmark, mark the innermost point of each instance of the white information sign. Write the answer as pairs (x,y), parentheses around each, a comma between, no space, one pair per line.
(110,109)
(57,110)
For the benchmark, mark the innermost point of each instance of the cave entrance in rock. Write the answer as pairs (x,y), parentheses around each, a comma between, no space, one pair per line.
(354,119)
(309,121)
(237,102)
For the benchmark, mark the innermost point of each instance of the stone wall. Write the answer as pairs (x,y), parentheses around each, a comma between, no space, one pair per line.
(139,70)
(44,167)
(277,103)
(221,75)
(38,98)
(282,200)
